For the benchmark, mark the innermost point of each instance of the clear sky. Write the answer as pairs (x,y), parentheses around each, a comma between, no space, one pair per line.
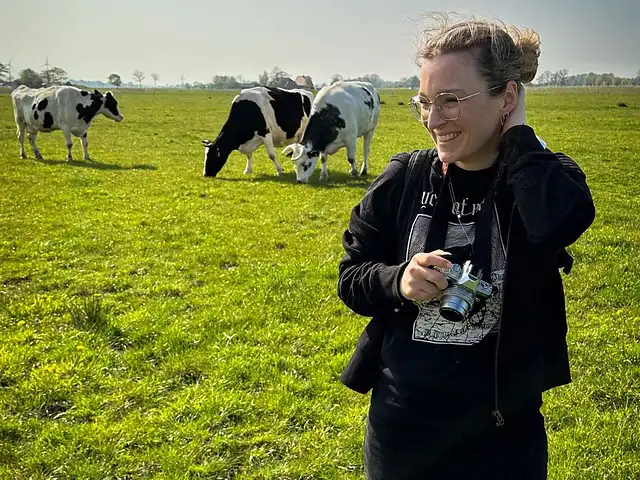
(203,38)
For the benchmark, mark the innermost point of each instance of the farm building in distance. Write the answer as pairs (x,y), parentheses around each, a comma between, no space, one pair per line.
(301,81)
(304,81)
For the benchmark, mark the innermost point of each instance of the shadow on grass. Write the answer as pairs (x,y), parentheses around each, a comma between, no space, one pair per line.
(336,179)
(95,165)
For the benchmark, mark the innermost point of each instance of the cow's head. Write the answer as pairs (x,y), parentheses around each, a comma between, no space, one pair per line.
(304,159)
(214,158)
(109,106)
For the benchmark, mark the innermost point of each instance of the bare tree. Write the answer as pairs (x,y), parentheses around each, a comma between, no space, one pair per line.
(139,76)
(562,76)
(155,77)
(6,70)
(277,73)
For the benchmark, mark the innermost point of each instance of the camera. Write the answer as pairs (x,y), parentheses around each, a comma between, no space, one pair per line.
(463,290)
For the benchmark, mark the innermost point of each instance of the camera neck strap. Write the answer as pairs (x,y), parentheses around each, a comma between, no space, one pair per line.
(437,233)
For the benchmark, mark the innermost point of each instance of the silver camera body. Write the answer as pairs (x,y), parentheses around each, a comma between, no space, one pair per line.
(462,292)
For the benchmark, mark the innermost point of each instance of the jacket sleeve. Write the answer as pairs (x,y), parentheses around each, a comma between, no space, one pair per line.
(368,277)
(550,190)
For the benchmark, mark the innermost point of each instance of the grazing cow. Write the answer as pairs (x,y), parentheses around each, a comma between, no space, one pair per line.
(63,108)
(274,117)
(340,114)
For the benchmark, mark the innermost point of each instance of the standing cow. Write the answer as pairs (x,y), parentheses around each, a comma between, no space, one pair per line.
(63,108)
(340,114)
(274,117)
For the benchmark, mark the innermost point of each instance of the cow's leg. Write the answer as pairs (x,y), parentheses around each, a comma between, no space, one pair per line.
(268,143)
(21,128)
(249,167)
(85,145)
(34,147)
(351,156)
(324,173)
(366,147)
(67,137)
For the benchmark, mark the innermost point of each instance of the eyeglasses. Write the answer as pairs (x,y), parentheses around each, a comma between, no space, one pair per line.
(447,105)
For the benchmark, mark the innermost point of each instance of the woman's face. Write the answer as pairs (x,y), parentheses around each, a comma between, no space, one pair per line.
(471,139)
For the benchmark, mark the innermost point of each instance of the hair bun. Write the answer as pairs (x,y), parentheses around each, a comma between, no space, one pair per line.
(528,41)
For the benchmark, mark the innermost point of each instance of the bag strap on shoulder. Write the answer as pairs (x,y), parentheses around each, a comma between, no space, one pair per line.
(414,172)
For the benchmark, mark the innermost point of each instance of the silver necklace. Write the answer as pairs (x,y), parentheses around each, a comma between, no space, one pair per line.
(458,215)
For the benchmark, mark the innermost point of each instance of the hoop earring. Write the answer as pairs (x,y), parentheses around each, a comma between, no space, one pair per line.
(504,118)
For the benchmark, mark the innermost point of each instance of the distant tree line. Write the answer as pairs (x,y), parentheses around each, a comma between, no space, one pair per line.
(378,82)
(561,78)
(51,75)
(277,75)
(235,82)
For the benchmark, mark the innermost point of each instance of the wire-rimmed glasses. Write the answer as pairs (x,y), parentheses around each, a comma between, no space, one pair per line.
(447,105)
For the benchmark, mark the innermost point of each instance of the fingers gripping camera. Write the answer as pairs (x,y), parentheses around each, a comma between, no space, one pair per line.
(463,291)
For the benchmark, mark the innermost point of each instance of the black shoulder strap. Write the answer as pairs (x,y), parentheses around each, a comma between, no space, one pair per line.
(413,160)
(415,168)
(482,242)
(437,233)
(413,174)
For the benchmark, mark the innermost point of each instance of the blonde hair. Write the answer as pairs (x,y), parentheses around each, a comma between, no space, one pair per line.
(502,52)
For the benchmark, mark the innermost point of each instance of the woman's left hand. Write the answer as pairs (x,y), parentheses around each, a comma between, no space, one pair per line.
(518,115)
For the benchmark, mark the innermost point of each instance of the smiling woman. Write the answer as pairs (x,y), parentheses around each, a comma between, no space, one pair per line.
(485,65)
(455,254)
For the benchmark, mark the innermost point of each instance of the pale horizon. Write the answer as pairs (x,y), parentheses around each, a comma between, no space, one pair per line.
(200,39)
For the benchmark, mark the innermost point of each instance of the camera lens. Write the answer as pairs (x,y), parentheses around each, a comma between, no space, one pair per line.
(451,314)
(456,303)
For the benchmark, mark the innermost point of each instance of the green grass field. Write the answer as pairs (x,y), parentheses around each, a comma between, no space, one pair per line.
(157,324)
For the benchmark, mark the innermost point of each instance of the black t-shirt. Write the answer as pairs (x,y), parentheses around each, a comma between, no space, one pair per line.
(432,367)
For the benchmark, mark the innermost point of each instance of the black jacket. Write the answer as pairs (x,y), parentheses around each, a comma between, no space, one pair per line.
(544,200)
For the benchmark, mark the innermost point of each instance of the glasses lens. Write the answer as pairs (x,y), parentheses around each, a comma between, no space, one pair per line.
(448,106)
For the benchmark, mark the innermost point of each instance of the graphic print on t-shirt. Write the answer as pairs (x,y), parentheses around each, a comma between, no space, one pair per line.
(429,326)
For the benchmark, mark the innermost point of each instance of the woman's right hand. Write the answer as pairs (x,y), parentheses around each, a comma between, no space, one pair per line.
(421,282)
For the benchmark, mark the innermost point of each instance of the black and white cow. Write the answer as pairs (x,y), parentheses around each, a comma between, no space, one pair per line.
(274,117)
(63,108)
(340,114)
